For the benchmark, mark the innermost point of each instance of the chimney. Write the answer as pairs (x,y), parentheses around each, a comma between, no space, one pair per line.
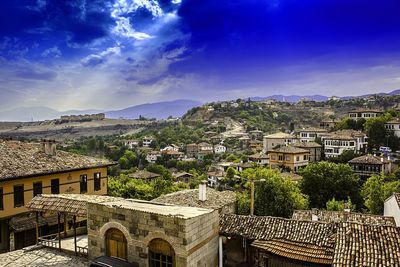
(314,214)
(203,191)
(49,147)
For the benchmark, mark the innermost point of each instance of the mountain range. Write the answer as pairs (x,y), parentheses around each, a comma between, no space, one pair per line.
(158,110)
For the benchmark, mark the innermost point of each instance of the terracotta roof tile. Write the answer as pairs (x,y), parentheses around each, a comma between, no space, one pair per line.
(19,159)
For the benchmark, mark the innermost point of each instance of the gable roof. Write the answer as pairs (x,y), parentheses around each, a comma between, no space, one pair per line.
(215,199)
(340,244)
(144,175)
(307,144)
(367,159)
(20,159)
(280,135)
(342,216)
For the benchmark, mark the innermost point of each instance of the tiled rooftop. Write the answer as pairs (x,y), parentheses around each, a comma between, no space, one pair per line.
(368,159)
(342,216)
(340,244)
(190,198)
(19,159)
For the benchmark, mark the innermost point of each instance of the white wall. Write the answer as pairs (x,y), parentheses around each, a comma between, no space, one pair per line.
(391,208)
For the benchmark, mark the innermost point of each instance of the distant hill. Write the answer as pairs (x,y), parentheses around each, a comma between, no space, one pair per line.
(158,110)
(291,98)
(25,114)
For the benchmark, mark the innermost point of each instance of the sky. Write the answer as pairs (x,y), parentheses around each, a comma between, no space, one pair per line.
(110,54)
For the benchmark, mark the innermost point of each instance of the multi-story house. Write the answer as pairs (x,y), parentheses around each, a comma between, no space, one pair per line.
(192,150)
(152,156)
(289,157)
(337,142)
(310,134)
(314,148)
(28,170)
(367,165)
(147,141)
(171,147)
(278,139)
(364,113)
(131,144)
(259,158)
(219,149)
(394,125)
(204,149)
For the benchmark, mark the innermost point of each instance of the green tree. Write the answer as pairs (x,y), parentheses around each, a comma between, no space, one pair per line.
(334,205)
(323,181)
(376,190)
(275,195)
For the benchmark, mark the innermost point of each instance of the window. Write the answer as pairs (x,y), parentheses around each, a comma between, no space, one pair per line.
(37,188)
(83,183)
(297,158)
(1,200)
(55,186)
(19,195)
(161,254)
(305,157)
(97,181)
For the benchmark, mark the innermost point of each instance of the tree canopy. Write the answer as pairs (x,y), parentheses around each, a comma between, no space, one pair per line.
(324,181)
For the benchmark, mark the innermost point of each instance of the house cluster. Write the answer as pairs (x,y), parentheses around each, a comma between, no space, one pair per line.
(293,151)
(199,227)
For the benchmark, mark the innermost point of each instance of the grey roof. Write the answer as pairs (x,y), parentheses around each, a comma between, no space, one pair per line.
(367,159)
(307,144)
(215,199)
(20,159)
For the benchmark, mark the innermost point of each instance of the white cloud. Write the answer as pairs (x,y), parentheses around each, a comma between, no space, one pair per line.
(96,59)
(52,52)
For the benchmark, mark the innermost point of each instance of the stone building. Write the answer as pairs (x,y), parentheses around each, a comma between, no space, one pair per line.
(140,232)
(152,234)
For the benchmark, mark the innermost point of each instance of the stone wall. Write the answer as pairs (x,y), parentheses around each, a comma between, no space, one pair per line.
(195,240)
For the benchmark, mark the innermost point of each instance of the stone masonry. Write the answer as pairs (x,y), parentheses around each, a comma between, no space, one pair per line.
(192,232)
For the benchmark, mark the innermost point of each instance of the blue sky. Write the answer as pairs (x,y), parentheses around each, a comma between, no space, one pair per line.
(107,54)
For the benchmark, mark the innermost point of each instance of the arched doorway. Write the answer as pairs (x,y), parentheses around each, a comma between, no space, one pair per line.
(116,244)
(161,253)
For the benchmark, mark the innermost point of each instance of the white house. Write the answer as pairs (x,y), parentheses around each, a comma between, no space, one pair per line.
(172,147)
(364,113)
(310,134)
(338,142)
(147,141)
(219,149)
(131,143)
(152,156)
(215,177)
(394,125)
(392,207)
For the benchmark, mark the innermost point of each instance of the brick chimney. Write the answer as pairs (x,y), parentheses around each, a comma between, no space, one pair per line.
(49,147)
(203,191)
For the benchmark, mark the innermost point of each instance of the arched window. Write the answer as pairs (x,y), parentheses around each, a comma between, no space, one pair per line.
(161,253)
(116,244)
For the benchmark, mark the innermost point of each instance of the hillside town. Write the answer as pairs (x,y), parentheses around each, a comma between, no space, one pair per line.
(214,195)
